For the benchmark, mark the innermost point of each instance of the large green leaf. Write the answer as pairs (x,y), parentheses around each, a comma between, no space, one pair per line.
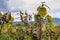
(6,27)
(42,11)
(50,22)
(52,28)
(48,18)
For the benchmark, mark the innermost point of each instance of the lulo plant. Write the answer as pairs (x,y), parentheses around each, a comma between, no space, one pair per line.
(42,14)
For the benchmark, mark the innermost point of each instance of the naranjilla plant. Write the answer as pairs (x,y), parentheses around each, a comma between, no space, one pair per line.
(39,18)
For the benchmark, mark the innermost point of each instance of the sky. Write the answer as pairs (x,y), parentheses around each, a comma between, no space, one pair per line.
(31,7)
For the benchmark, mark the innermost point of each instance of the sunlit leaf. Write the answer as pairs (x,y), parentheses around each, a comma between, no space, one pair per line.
(42,11)
(52,28)
(7,25)
(4,29)
(43,27)
(13,29)
(48,18)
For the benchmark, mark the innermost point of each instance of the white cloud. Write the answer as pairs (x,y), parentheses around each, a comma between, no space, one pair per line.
(14,14)
(54,4)
(4,5)
(25,4)
(55,15)
(31,5)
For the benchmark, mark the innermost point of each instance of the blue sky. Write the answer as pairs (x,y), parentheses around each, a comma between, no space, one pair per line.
(30,6)
(3,5)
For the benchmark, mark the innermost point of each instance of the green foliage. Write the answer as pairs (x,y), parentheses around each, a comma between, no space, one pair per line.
(11,20)
(43,27)
(42,11)
(52,26)
(23,33)
(50,22)
(58,38)
(26,37)
(35,32)
(36,18)
(48,19)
